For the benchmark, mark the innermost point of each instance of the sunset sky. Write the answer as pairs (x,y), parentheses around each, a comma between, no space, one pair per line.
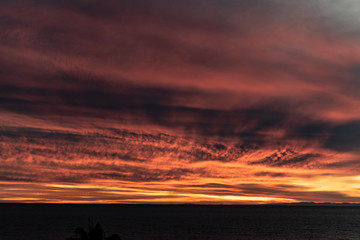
(207,101)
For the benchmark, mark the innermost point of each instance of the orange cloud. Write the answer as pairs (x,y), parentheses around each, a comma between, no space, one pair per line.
(152,102)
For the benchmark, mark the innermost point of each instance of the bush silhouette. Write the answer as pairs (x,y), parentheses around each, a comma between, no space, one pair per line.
(94,233)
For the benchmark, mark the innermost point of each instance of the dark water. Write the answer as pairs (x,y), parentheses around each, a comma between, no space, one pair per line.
(57,222)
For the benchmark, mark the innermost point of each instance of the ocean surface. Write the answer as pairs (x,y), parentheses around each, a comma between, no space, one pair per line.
(167,222)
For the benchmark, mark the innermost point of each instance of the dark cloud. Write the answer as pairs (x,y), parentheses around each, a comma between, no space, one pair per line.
(311,129)
(67,172)
(38,133)
(148,175)
(287,157)
(271,174)
(345,137)
(351,165)
(143,104)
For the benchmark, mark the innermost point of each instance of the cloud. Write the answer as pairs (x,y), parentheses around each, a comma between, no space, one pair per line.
(299,194)
(219,98)
(287,157)
(345,137)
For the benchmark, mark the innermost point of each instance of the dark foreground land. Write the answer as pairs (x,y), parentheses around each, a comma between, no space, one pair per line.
(173,222)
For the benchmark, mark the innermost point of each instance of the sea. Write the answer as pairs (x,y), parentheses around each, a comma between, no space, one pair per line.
(181,222)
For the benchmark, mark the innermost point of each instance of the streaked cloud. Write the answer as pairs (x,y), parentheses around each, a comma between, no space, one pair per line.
(158,101)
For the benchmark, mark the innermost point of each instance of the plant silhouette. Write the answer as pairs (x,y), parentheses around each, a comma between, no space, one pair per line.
(94,233)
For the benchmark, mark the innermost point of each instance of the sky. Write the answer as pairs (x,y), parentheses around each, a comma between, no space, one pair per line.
(205,102)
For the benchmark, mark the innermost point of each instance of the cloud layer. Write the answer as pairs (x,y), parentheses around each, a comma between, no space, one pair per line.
(158,101)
